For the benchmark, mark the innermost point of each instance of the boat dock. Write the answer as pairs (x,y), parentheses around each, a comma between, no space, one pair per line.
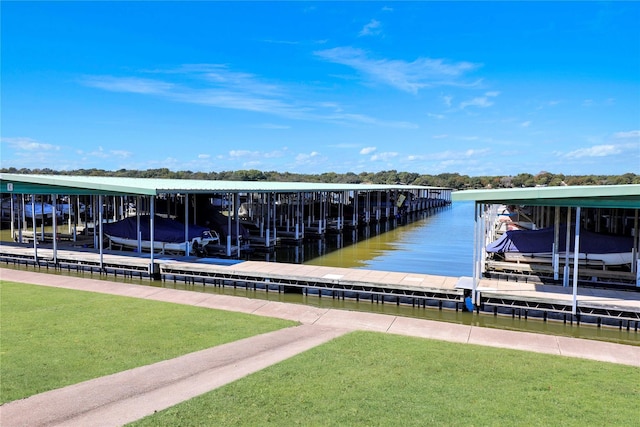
(529,299)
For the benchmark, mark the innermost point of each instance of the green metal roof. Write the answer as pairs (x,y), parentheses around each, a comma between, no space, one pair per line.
(592,196)
(95,185)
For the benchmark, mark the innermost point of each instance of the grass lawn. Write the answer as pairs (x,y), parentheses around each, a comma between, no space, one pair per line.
(53,337)
(372,379)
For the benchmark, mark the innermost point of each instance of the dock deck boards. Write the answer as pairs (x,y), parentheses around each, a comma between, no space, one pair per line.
(525,295)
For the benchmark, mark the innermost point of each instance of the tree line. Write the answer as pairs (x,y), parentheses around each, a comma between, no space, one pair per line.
(393,177)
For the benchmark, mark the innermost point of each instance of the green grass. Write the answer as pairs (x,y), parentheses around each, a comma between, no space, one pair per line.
(370,379)
(53,337)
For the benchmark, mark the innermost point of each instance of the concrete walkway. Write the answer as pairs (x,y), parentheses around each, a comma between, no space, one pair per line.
(127,396)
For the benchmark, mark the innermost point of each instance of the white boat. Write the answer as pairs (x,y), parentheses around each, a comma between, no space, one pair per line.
(195,244)
(69,209)
(42,210)
(537,246)
(169,235)
(510,217)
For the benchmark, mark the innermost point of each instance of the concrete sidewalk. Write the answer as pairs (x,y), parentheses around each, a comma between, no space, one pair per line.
(127,396)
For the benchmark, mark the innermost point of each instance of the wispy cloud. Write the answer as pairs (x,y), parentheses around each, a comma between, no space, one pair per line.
(128,84)
(248,154)
(384,156)
(304,157)
(449,158)
(101,153)
(272,126)
(367,150)
(595,103)
(481,101)
(595,151)
(633,134)
(461,154)
(304,161)
(28,144)
(626,143)
(406,76)
(371,29)
(216,85)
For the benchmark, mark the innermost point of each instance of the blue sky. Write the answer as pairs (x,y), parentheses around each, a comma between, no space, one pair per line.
(477,88)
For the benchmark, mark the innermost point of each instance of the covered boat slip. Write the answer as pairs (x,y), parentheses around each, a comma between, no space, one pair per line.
(244,214)
(611,307)
(579,236)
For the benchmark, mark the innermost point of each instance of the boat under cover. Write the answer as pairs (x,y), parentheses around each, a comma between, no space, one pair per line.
(604,248)
(168,234)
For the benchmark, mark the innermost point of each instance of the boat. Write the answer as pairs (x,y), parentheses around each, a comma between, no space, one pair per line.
(511,217)
(68,208)
(169,235)
(537,246)
(42,210)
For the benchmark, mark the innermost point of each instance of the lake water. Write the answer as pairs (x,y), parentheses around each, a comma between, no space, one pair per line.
(440,244)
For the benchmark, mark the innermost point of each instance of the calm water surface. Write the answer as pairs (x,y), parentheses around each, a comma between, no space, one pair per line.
(440,244)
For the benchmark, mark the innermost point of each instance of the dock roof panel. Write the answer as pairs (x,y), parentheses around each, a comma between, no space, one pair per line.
(72,185)
(593,196)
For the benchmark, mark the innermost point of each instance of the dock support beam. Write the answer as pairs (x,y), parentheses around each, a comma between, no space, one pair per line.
(576,255)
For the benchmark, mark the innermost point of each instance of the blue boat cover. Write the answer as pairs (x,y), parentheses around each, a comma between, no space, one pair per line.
(540,241)
(165,230)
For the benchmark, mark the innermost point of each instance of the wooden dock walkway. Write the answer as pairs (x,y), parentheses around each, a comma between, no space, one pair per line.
(517,298)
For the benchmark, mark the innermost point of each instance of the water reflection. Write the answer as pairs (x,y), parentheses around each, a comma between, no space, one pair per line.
(438,243)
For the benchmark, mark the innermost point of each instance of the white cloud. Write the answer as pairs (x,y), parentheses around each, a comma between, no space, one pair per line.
(624,135)
(526,124)
(243,153)
(127,84)
(481,101)
(302,157)
(368,150)
(121,153)
(384,156)
(247,154)
(406,76)
(204,156)
(101,153)
(272,126)
(436,116)
(450,155)
(216,85)
(371,29)
(303,161)
(476,102)
(595,151)
(442,136)
(551,103)
(28,144)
